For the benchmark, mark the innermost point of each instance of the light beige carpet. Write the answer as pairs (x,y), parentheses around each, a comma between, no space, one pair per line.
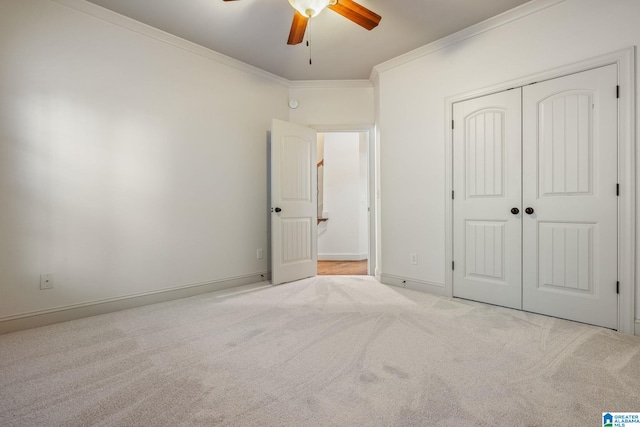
(327,351)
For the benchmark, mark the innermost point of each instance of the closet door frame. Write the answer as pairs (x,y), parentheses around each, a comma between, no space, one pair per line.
(625,60)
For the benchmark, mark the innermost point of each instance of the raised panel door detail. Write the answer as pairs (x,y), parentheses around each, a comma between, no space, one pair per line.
(485,249)
(565,141)
(485,142)
(565,258)
(296,238)
(570,159)
(487,238)
(296,171)
(293,202)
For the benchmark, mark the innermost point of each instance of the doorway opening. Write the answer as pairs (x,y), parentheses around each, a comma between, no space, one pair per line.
(343,162)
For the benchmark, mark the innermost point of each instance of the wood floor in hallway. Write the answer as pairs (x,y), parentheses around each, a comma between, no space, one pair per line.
(353,268)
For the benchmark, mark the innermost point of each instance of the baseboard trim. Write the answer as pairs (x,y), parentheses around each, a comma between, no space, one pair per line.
(78,311)
(342,257)
(637,331)
(415,284)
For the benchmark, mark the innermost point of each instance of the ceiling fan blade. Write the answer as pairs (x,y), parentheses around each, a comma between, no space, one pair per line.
(356,13)
(298,27)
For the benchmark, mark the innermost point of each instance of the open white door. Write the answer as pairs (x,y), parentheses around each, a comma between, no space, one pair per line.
(294,219)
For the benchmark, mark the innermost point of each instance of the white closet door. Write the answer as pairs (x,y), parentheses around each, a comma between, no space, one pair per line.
(487,185)
(569,180)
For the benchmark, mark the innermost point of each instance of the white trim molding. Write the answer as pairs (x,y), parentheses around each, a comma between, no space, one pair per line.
(363,127)
(373,184)
(130,24)
(114,18)
(93,308)
(414,284)
(627,160)
(472,31)
(328,84)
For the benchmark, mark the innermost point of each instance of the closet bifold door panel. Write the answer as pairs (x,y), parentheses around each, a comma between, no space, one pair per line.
(487,211)
(569,188)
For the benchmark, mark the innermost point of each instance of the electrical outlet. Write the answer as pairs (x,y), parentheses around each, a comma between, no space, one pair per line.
(413,258)
(259,254)
(46,281)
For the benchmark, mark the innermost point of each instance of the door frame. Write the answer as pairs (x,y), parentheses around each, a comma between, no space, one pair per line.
(625,60)
(372,192)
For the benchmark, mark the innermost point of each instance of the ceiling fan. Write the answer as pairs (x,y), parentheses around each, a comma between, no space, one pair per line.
(306,9)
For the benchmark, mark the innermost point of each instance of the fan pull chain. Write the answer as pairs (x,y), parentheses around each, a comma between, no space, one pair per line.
(308,37)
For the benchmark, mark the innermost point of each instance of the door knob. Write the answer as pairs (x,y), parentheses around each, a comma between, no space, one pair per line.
(515,211)
(529,211)
(278,210)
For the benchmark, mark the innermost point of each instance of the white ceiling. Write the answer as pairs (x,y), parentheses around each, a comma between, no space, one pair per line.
(256,31)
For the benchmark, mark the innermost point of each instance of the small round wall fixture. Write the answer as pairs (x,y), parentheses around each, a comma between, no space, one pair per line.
(293,104)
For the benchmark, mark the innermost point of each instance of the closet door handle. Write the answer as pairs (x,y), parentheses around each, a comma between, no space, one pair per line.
(529,211)
(515,211)
(278,210)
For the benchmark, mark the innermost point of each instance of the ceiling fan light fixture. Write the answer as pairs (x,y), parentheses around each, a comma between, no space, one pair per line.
(310,8)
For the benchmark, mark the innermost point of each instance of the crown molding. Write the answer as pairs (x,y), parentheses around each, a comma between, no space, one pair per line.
(329,84)
(111,17)
(375,75)
(504,18)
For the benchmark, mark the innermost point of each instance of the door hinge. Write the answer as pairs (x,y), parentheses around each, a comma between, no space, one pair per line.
(617,287)
(617,189)
(452,124)
(453,265)
(618,91)
(453,195)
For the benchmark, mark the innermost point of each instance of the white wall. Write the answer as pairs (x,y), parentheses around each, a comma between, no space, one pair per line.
(340,238)
(128,165)
(338,103)
(412,138)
